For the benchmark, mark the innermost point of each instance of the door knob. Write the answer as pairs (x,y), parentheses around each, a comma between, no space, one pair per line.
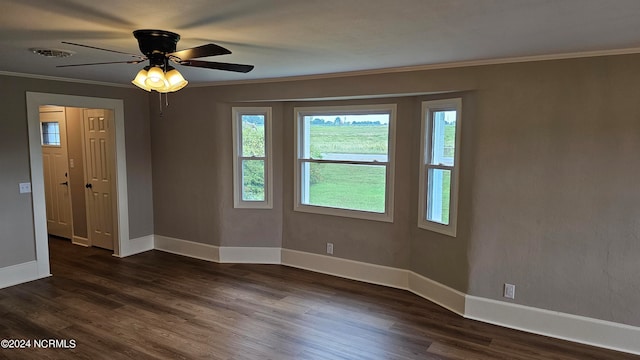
(66,183)
(89,186)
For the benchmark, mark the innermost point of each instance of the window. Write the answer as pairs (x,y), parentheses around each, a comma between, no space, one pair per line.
(344,161)
(439,165)
(51,133)
(252,170)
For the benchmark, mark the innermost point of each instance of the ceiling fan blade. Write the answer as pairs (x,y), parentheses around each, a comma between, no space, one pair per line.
(218,65)
(200,52)
(104,63)
(97,48)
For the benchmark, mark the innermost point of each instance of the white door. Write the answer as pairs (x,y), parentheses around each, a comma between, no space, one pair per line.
(56,171)
(99,177)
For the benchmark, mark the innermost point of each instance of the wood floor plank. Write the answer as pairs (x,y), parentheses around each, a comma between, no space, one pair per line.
(157,305)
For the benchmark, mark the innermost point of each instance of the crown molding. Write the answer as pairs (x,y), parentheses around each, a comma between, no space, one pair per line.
(439,66)
(56,78)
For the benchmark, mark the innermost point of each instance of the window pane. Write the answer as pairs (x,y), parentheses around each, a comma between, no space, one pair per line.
(439,193)
(253,180)
(444,137)
(362,137)
(353,187)
(50,133)
(253,143)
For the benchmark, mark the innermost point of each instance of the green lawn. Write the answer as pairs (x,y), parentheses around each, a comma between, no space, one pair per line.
(349,139)
(354,187)
(348,186)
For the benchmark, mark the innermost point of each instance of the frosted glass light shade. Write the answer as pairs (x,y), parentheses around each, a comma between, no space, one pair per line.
(139,81)
(176,80)
(156,80)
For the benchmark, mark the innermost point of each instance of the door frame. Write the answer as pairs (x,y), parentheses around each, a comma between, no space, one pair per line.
(34,101)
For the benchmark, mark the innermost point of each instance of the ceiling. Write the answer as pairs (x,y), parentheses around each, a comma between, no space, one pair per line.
(292,38)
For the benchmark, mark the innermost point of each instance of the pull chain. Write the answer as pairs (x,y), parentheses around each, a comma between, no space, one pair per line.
(166,102)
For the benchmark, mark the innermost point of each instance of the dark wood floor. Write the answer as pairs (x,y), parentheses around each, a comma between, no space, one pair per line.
(158,305)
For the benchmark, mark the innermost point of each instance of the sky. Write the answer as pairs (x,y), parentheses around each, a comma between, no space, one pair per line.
(383,118)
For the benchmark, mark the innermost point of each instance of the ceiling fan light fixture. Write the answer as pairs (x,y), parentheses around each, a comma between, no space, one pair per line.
(140,79)
(154,78)
(159,47)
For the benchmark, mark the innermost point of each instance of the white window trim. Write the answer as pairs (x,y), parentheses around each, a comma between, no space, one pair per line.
(428,107)
(237,158)
(299,113)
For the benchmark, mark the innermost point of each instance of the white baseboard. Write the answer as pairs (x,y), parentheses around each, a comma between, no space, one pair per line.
(590,331)
(79,240)
(350,269)
(137,246)
(20,273)
(252,255)
(225,254)
(433,291)
(437,293)
(187,248)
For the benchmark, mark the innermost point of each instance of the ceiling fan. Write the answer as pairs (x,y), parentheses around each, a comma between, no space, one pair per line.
(159,47)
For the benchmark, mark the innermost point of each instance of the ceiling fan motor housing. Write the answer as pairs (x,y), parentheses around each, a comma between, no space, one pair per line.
(156,44)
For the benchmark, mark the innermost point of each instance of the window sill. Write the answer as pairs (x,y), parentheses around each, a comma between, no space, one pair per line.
(253,205)
(449,230)
(355,214)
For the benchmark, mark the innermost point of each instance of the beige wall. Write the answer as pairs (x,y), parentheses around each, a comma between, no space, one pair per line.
(556,201)
(548,196)
(17,244)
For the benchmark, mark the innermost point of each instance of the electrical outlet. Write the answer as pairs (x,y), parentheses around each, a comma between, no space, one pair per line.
(25,188)
(330,248)
(509,291)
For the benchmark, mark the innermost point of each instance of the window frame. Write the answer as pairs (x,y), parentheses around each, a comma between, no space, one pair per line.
(299,114)
(238,202)
(426,146)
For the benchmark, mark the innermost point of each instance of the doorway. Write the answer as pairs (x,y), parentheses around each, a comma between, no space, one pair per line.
(78,158)
(34,101)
